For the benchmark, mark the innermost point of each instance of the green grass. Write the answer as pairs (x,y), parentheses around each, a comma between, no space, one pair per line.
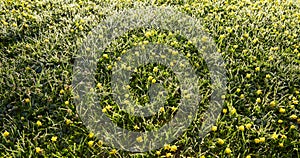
(259,42)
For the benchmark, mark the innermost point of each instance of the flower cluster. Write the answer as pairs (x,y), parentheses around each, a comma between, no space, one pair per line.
(258,40)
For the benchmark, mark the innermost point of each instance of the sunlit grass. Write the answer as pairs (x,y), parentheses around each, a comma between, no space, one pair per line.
(258,40)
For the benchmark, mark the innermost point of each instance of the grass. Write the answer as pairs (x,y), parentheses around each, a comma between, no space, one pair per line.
(258,40)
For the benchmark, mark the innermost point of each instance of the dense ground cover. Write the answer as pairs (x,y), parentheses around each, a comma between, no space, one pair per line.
(258,40)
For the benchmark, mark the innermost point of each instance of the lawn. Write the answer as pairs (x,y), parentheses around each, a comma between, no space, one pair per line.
(42,111)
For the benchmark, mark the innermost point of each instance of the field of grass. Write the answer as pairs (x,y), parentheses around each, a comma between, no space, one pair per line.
(258,40)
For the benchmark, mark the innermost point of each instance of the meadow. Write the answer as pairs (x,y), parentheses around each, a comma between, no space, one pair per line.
(258,40)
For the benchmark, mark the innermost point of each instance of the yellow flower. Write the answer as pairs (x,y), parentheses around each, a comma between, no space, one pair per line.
(257,69)
(92,89)
(39,123)
(157,153)
(256,140)
(68,121)
(280,121)
(274,136)
(38,150)
(222,36)
(227,150)
(109,67)
(174,52)
(104,110)
(214,128)
(5,23)
(268,76)
(155,69)
(283,136)
(294,117)
(105,56)
(91,135)
(248,156)
(202,156)
(148,34)
(259,92)
(232,111)
(262,139)
(258,100)
(54,139)
(27,68)
(292,126)
(241,128)
(272,103)
(150,78)
(238,90)
(27,100)
(281,110)
(242,96)
(173,148)
(6,134)
(248,125)
(255,40)
(153,81)
(91,143)
(292,106)
(167,147)
(280,145)
(99,85)
(62,91)
(220,141)
(171,64)
(248,76)
(162,109)
(174,109)
(246,35)
(139,139)
(136,127)
(168,154)
(224,111)
(27,46)
(67,102)
(108,107)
